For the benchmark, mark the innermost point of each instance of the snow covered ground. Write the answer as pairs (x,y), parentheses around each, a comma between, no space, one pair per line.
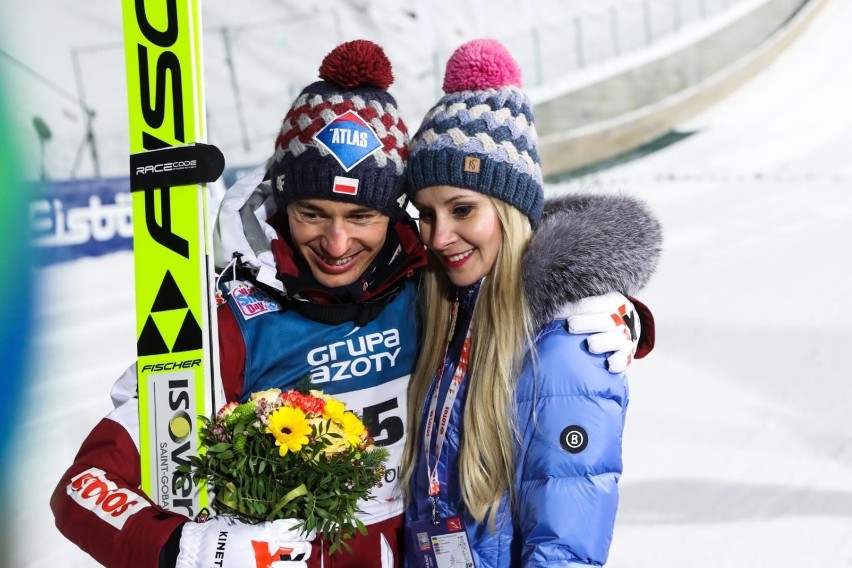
(738,449)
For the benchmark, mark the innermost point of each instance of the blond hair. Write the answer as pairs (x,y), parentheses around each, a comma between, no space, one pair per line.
(501,336)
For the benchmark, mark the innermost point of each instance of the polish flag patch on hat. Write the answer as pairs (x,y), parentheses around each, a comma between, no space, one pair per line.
(346,185)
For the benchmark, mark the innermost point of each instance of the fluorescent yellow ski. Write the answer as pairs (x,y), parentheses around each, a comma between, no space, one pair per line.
(177,343)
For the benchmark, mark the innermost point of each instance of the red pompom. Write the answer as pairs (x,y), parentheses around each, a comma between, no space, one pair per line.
(358,63)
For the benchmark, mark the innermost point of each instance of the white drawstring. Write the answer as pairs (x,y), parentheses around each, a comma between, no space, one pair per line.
(233,266)
(220,300)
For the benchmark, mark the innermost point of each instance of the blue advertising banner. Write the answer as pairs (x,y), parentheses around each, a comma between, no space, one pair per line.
(76,218)
(71,219)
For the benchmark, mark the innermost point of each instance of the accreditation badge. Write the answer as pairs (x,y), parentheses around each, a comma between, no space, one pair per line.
(444,545)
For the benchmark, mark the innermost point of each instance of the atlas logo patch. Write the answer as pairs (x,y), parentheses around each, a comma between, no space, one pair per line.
(345,185)
(574,439)
(349,139)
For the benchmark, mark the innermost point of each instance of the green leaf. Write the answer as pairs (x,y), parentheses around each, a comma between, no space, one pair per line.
(304,384)
(361,528)
(297,492)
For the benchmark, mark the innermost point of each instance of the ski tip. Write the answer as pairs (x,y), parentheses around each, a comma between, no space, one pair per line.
(357,63)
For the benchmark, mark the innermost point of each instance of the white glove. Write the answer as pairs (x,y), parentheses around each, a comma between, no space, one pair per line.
(228,543)
(613,324)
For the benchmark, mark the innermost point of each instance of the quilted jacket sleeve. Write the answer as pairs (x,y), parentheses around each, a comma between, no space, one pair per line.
(571,414)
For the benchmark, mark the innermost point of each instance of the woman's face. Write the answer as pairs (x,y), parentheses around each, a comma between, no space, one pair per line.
(462,229)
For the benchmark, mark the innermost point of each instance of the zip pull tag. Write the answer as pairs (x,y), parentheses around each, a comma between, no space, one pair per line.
(434,501)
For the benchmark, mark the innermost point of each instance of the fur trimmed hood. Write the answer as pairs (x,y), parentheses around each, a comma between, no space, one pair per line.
(588,245)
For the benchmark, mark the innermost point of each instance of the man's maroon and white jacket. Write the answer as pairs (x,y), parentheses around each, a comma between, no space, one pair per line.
(98,504)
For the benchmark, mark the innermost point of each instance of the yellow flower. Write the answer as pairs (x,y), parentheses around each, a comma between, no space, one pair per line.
(353,429)
(334,409)
(349,430)
(290,429)
(336,444)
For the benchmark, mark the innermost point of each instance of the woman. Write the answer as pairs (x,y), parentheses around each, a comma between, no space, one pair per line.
(514,455)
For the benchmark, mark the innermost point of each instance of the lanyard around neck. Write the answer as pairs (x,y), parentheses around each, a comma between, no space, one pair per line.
(446,409)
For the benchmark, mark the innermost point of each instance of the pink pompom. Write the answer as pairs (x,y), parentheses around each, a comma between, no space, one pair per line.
(481,64)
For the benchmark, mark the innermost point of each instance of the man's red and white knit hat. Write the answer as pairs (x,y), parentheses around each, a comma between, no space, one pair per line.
(343,138)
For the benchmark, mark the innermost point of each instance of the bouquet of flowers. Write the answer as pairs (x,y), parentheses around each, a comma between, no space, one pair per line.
(293,454)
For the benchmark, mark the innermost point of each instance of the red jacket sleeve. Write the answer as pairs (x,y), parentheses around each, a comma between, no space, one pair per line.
(647,337)
(98,505)
(232,353)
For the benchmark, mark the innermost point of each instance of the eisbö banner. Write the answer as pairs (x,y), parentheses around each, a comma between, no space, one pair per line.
(71,219)
(77,218)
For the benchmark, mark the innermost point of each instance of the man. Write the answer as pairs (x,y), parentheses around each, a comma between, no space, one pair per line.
(318,260)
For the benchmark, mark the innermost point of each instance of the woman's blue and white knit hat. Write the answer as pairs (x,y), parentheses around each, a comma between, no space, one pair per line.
(481,134)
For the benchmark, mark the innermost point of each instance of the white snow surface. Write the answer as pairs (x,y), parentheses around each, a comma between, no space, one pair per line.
(738,443)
